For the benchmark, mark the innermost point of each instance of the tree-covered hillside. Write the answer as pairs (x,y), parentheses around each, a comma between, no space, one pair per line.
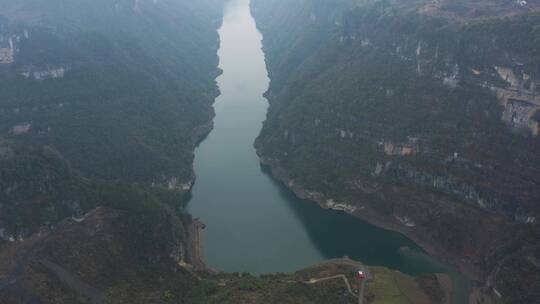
(120,88)
(417,116)
(101,106)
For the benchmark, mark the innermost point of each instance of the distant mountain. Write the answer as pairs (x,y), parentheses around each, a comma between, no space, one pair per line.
(418,116)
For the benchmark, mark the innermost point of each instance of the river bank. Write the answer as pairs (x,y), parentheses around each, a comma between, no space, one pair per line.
(253,225)
(366,214)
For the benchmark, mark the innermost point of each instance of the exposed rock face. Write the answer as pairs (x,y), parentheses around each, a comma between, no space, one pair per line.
(175,184)
(21,129)
(520,98)
(7,53)
(49,73)
(6,56)
(423,118)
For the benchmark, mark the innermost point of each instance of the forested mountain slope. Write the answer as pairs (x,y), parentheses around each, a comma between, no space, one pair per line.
(418,116)
(101,106)
(114,90)
(109,82)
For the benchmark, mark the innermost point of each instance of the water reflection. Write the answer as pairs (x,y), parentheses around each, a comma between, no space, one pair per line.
(337,234)
(253,223)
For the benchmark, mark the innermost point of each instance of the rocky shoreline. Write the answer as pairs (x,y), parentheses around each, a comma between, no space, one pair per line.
(194,244)
(370,216)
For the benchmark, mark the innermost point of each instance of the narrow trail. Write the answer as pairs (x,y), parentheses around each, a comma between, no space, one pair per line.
(94,294)
(361,294)
(345,261)
(342,276)
(347,283)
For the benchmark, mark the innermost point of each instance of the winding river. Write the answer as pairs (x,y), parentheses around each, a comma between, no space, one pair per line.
(253,223)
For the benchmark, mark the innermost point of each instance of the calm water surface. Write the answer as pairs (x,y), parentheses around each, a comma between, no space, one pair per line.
(253,223)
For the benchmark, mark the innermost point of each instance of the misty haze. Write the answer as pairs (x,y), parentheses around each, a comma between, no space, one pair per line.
(269,151)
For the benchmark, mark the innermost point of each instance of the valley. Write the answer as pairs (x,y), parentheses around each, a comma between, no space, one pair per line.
(265,151)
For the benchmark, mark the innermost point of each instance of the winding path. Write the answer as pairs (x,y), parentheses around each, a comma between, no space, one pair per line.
(94,294)
(347,283)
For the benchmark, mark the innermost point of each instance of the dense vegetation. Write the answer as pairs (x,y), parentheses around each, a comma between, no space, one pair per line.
(387,105)
(395,110)
(98,256)
(136,82)
(102,105)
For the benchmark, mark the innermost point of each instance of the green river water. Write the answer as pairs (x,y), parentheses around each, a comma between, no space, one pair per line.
(254,224)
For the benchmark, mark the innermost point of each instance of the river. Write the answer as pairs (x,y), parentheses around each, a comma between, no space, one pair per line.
(253,223)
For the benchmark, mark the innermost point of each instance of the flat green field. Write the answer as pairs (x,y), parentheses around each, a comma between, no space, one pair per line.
(392,287)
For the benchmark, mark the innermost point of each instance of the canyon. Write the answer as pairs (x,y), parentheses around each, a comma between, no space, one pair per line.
(393,129)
